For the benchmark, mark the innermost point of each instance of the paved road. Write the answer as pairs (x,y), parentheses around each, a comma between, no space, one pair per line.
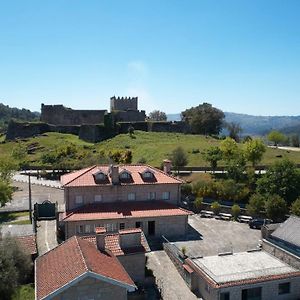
(46,236)
(34,180)
(39,194)
(167,278)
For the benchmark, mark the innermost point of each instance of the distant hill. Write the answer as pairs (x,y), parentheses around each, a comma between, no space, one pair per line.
(7,113)
(258,125)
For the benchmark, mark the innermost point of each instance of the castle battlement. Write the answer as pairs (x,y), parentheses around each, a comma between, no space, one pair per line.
(123,103)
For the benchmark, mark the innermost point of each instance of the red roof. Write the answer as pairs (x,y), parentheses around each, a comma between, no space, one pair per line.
(122,210)
(76,257)
(112,244)
(85,177)
(28,244)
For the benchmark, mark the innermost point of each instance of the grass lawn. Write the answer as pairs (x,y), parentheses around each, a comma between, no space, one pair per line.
(12,218)
(24,292)
(151,146)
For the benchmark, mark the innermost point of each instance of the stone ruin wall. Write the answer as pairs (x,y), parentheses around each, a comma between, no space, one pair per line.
(123,103)
(60,115)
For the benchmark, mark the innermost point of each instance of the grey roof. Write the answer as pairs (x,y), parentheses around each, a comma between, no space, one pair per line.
(242,266)
(289,231)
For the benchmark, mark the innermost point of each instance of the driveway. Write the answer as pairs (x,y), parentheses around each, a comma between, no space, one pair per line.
(172,286)
(217,236)
(46,236)
(20,200)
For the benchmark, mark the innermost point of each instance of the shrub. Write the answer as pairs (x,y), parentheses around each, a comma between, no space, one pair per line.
(216,207)
(198,203)
(276,208)
(235,211)
(295,207)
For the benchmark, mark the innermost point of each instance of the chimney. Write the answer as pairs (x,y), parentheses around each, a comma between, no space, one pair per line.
(100,238)
(130,238)
(114,174)
(167,166)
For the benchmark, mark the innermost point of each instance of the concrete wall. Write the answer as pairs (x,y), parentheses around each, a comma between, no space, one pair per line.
(91,288)
(172,226)
(134,264)
(114,193)
(60,115)
(281,253)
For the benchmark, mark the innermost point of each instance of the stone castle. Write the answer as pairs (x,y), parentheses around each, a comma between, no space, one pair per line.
(92,125)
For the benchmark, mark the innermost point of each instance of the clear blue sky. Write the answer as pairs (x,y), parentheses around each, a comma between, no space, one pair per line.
(240,56)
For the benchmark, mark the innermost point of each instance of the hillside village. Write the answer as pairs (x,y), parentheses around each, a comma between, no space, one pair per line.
(149,150)
(213,217)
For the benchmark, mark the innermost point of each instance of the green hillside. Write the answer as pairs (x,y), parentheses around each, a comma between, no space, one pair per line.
(153,147)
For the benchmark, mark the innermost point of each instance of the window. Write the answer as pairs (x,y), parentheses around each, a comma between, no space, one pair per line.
(147,175)
(225,296)
(284,288)
(79,200)
(122,226)
(124,175)
(98,198)
(166,196)
(79,229)
(110,227)
(138,224)
(100,176)
(251,294)
(131,196)
(151,196)
(87,228)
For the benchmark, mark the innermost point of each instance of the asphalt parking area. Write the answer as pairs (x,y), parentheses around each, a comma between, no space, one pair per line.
(218,236)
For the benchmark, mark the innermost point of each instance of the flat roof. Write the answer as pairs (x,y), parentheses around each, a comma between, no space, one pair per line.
(242,266)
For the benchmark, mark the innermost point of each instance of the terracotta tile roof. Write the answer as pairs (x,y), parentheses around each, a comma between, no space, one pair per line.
(122,210)
(75,257)
(112,244)
(28,243)
(85,177)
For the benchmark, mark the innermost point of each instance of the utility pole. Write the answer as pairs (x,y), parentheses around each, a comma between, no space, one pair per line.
(29,196)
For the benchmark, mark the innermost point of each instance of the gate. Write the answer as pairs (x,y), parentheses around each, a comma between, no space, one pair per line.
(45,211)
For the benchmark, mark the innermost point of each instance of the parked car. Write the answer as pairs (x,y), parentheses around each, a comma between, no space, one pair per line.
(258,223)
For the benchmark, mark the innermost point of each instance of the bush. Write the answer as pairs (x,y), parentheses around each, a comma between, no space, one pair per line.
(198,203)
(235,211)
(216,207)
(295,207)
(256,205)
(276,208)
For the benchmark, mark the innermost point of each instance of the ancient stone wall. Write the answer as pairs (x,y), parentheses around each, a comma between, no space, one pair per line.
(95,133)
(60,115)
(123,103)
(129,116)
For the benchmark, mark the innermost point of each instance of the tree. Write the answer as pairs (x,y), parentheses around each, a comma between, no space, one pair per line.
(234,130)
(178,158)
(295,207)
(276,137)
(157,115)
(198,203)
(7,168)
(256,205)
(131,130)
(276,208)
(6,192)
(295,140)
(235,211)
(283,179)
(15,267)
(204,119)
(212,155)
(254,150)
(236,168)
(229,149)
(216,207)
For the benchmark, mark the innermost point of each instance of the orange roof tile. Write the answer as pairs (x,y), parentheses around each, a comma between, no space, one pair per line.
(112,244)
(75,257)
(122,210)
(28,243)
(85,177)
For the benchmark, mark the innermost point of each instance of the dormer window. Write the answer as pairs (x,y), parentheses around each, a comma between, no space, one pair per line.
(124,174)
(100,176)
(147,174)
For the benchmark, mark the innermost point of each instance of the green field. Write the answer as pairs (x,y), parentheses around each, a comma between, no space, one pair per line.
(151,146)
